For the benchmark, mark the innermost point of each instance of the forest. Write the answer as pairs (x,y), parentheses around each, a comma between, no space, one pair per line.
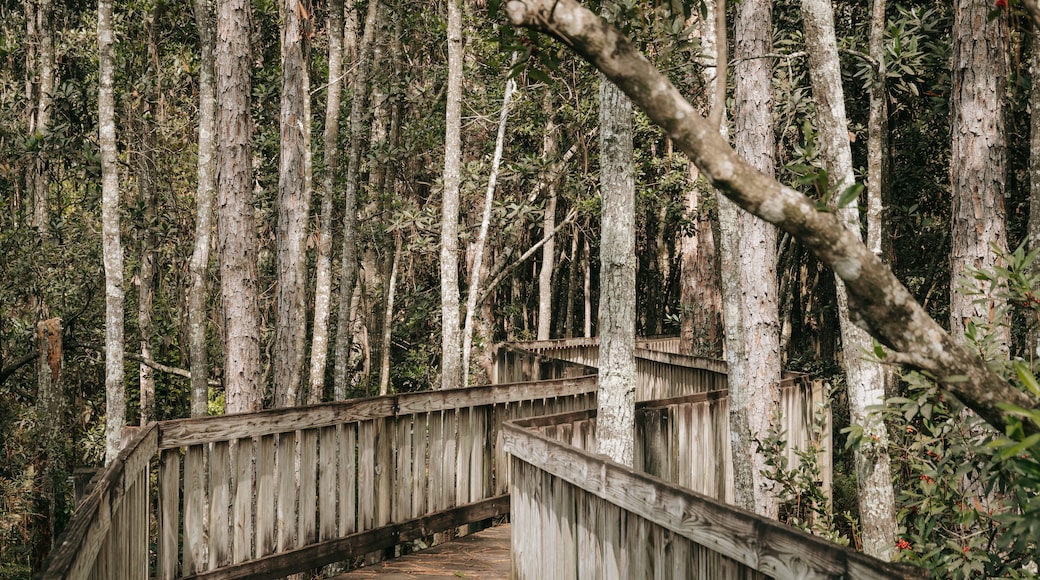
(221,207)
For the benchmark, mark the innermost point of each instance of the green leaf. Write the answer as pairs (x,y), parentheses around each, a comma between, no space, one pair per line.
(850,194)
(1027,378)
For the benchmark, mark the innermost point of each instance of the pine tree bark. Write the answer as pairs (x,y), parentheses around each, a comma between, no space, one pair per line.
(878,301)
(978,163)
(294,204)
(236,230)
(451,335)
(52,432)
(864,378)
(323,259)
(205,192)
(701,326)
(349,258)
(755,342)
(112,249)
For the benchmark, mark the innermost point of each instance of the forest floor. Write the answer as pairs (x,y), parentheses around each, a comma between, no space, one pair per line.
(485,555)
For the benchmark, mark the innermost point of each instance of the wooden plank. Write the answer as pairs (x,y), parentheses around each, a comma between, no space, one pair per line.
(266,482)
(196,542)
(754,541)
(184,432)
(242,510)
(366,475)
(287,488)
(348,497)
(322,553)
(327,469)
(308,506)
(169,513)
(403,486)
(464,442)
(449,472)
(384,468)
(420,465)
(219,505)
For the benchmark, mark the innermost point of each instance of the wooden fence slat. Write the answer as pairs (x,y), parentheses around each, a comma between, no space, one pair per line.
(266,483)
(219,505)
(421,463)
(196,541)
(169,512)
(308,507)
(402,505)
(242,518)
(327,448)
(287,488)
(348,496)
(366,475)
(384,467)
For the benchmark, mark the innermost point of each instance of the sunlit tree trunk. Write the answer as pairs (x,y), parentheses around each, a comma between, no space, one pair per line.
(388,318)
(294,204)
(112,249)
(615,419)
(548,222)
(477,270)
(205,191)
(451,339)
(749,266)
(323,259)
(236,230)
(865,378)
(349,258)
(978,162)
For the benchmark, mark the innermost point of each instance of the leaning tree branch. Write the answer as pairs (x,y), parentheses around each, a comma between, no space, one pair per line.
(880,303)
(176,371)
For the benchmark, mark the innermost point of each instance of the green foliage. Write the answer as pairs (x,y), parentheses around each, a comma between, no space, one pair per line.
(803,501)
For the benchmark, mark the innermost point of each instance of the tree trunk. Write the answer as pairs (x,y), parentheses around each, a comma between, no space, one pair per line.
(294,204)
(112,249)
(572,285)
(476,272)
(323,260)
(52,433)
(388,319)
(548,222)
(236,231)
(40,58)
(147,185)
(882,304)
(1033,228)
(754,392)
(865,378)
(205,192)
(349,274)
(701,327)
(451,340)
(615,420)
(978,164)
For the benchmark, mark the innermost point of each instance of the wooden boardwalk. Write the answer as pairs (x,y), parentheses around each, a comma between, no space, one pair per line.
(483,555)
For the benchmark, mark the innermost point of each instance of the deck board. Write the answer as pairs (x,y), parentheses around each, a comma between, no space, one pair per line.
(482,555)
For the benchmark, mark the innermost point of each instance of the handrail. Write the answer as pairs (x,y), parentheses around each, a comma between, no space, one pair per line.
(579,515)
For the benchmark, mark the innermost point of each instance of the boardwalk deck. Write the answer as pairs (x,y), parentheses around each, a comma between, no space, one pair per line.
(482,555)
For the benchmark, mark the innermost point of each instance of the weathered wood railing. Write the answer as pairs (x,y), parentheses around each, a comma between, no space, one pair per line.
(659,373)
(578,515)
(685,440)
(266,494)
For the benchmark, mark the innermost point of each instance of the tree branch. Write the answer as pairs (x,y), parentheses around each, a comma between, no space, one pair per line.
(497,277)
(882,305)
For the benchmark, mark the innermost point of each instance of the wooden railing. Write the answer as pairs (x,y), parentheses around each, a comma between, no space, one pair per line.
(659,373)
(578,515)
(685,440)
(266,494)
